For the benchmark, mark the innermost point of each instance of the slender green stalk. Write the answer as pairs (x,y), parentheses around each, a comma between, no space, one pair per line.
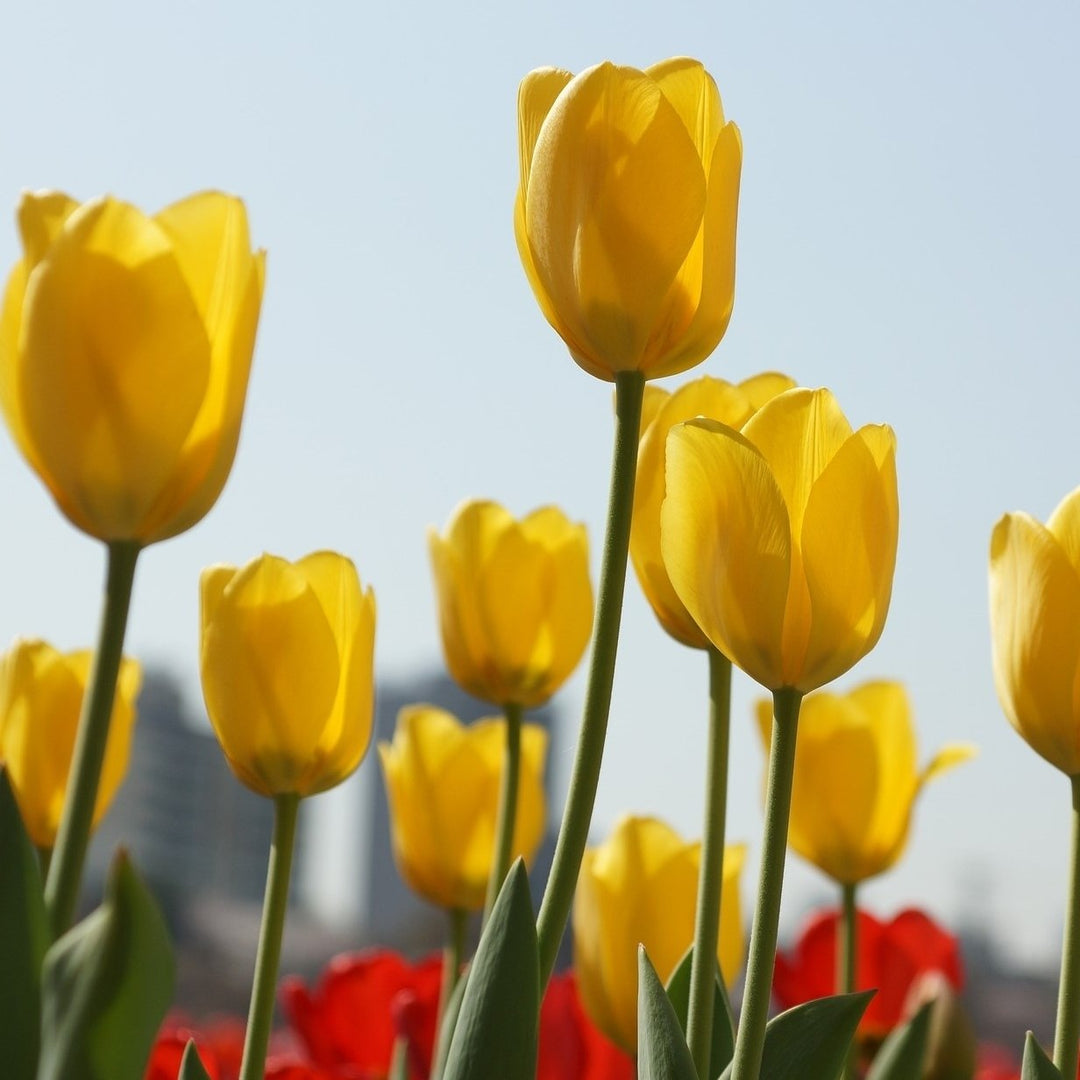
(453,953)
(574,831)
(508,798)
(1067,1030)
(44,859)
(750,1040)
(710,882)
(275,902)
(847,953)
(73,836)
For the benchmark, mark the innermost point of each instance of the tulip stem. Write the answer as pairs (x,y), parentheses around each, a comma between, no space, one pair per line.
(508,799)
(44,860)
(711,878)
(275,903)
(73,836)
(847,952)
(452,955)
(1067,1029)
(581,796)
(750,1040)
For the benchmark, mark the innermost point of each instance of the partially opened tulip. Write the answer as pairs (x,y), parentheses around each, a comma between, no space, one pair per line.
(626,211)
(515,600)
(781,540)
(640,887)
(443,780)
(125,347)
(727,403)
(41,693)
(286,659)
(856,778)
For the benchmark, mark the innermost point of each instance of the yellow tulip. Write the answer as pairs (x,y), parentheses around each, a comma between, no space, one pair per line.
(515,602)
(286,657)
(640,886)
(442,780)
(1035,629)
(856,778)
(41,693)
(626,210)
(125,347)
(718,400)
(780,541)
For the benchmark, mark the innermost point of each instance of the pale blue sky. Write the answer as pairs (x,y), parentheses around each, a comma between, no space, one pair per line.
(909,236)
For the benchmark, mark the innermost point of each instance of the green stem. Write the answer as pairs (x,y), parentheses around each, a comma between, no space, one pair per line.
(581,796)
(275,903)
(847,953)
(1067,1030)
(453,953)
(44,861)
(508,799)
(710,882)
(750,1041)
(73,836)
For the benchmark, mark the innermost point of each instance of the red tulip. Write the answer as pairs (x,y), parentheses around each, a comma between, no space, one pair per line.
(571,1047)
(996,1063)
(890,957)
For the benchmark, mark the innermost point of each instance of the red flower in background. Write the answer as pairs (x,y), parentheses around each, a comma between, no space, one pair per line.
(996,1063)
(891,956)
(571,1047)
(353,1015)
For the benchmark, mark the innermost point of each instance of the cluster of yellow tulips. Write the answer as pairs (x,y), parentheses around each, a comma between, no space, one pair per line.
(763,530)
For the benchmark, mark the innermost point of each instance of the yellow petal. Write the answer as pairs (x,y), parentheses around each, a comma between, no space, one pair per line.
(536,95)
(653,397)
(113,346)
(726,544)
(10,367)
(693,94)
(764,387)
(947,758)
(42,214)
(606,250)
(1064,524)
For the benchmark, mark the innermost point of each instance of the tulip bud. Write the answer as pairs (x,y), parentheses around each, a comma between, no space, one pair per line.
(951,1046)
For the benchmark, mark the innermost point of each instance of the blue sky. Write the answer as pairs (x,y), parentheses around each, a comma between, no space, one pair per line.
(909,236)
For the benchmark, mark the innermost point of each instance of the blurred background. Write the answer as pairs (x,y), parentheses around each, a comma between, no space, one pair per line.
(909,235)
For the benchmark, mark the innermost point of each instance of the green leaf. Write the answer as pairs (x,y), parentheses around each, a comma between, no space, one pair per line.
(1037,1066)
(191,1066)
(399,1061)
(23,941)
(903,1053)
(495,1035)
(106,986)
(446,1027)
(723,1026)
(810,1042)
(662,1050)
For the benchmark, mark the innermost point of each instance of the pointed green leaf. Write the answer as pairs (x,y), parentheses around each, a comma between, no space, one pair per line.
(191,1066)
(399,1061)
(23,941)
(106,986)
(662,1050)
(723,1027)
(1037,1066)
(903,1053)
(810,1042)
(495,1035)
(446,1027)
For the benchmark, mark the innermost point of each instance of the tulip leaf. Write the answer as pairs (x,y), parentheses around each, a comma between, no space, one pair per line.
(23,941)
(1037,1066)
(399,1061)
(662,1050)
(191,1066)
(496,1031)
(446,1027)
(723,1026)
(811,1041)
(903,1053)
(106,986)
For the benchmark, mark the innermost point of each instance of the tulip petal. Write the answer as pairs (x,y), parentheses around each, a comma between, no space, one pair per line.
(693,94)
(536,95)
(848,545)
(10,374)
(42,214)
(1064,523)
(121,367)
(764,387)
(606,249)
(948,757)
(726,544)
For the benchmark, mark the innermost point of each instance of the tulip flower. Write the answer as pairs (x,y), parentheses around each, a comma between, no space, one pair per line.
(515,602)
(1035,629)
(125,347)
(443,779)
(626,210)
(571,1047)
(286,659)
(718,400)
(892,956)
(856,778)
(640,886)
(41,693)
(780,540)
